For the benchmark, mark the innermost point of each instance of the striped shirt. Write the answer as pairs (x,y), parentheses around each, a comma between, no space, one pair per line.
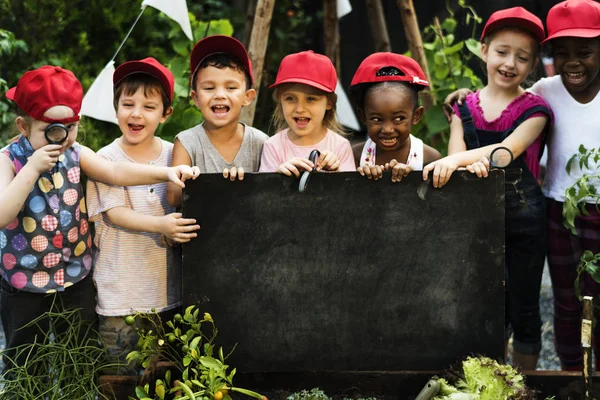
(133,271)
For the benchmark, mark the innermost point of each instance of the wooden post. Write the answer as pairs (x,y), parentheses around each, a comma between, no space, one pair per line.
(251,10)
(257,47)
(415,43)
(586,343)
(332,33)
(381,38)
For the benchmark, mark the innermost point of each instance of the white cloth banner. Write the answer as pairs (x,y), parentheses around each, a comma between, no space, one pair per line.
(345,113)
(343,7)
(176,10)
(98,101)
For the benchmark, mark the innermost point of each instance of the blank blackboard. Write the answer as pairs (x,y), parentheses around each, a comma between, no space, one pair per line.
(352,274)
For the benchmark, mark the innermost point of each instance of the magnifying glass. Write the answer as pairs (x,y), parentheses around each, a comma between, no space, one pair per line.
(314,156)
(501,157)
(56,133)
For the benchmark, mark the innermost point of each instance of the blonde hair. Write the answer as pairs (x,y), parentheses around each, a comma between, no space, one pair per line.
(329,120)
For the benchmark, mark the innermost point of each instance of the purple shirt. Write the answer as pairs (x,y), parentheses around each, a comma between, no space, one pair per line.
(507,119)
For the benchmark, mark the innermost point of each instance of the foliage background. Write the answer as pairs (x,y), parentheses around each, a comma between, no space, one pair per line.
(83,35)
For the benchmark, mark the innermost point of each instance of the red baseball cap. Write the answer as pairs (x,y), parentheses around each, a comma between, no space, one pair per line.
(149,66)
(515,16)
(574,18)
(46,87)
(309,68)
(385,67)
(220,44)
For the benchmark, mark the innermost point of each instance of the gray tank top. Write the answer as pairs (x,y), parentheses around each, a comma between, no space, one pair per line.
(205,156)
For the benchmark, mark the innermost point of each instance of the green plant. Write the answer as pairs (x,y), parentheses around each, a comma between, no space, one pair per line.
(63,364)
(312,394)
(447,60)
(583,192)
(204,374)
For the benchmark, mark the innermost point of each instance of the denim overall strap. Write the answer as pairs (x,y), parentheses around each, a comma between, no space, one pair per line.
(526,115)
(470,132)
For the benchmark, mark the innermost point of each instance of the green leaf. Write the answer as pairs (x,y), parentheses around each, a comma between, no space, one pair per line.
(449,24)
(140,392)
(474,46)
(195,342)
(582,149)
(435,120)
(210,362)
(441,71)
(454,49)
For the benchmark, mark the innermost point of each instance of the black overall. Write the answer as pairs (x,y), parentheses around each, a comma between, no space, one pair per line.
(525,236)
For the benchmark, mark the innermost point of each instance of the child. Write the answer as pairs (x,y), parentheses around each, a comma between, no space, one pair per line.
(574,38)
(128,219)
(504,114)
(221,79)
(45,240)
(385,91)
(305,118)
(574,43)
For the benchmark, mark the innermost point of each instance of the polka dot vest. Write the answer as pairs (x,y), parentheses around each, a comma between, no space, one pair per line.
(47,247)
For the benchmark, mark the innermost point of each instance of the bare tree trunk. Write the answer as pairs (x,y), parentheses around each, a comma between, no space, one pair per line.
(415,42)
(379,30)
(332,33)
(257,49)
(249,21)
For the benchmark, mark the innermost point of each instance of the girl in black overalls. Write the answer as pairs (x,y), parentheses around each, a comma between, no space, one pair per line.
(503,114)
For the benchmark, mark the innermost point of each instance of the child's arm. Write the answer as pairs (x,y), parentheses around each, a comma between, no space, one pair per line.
(457,136)
(173,226)
(14,188)
(180,157)
(130,174)
(430,154)
(517,143)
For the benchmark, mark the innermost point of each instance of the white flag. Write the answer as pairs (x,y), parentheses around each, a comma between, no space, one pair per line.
(176,10)
(344,110)
(343,7)
(98,101)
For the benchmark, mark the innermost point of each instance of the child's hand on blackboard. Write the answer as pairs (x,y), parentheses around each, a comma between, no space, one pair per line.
(233,173)
(295,166)
(328,161)
(442,170)
(374,172)
(480,168)
(399,170)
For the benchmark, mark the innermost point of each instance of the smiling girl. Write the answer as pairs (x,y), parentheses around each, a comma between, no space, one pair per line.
(385,90)
(504,114)
(305,118)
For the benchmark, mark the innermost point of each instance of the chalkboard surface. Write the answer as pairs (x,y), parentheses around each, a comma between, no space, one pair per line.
(352,274)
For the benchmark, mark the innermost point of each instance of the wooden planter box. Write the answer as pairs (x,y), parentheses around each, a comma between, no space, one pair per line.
(400,385)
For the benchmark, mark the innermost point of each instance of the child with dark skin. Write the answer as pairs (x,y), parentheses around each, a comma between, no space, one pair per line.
(385,93)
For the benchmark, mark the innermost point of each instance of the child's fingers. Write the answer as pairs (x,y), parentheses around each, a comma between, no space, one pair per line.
(195,172)
(226,173)
(302,163)
(378,172)
(335,166)
(240,173)
(427,169)
(233,174)
(283,169)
